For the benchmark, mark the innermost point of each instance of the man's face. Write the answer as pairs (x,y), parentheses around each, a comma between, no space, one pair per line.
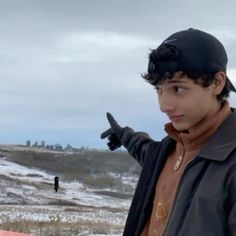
(185,103)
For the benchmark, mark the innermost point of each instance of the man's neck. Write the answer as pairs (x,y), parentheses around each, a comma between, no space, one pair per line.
(215,109)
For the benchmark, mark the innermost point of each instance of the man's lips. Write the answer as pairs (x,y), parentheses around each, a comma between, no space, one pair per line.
(175,117)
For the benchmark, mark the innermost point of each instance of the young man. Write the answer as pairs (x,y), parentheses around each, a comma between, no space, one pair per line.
(187,185)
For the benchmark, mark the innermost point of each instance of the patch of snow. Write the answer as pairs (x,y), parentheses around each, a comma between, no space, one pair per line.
(32,190)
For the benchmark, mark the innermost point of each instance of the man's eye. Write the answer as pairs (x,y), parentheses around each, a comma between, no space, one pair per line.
(179,89)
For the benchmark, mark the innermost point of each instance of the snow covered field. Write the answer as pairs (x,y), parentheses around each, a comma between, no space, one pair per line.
(27,195)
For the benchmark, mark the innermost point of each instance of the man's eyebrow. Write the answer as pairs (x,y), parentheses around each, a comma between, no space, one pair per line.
(172,81)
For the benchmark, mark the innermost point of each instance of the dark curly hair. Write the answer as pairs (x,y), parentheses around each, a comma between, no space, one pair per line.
(203,79)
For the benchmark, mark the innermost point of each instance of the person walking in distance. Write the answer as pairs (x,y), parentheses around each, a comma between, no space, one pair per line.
(56,183)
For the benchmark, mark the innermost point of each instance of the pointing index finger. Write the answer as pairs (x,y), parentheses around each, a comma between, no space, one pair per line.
(112,121)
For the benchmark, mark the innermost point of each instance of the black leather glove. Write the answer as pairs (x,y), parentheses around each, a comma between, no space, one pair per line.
(113,134)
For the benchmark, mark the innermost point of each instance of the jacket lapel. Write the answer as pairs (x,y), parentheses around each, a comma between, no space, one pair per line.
(222,142)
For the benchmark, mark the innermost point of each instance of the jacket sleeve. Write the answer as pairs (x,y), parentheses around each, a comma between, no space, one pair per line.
(137,144)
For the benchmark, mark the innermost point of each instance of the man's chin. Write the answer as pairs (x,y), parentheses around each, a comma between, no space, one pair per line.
(180,128)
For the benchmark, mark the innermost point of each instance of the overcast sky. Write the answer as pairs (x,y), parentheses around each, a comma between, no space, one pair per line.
(65,63)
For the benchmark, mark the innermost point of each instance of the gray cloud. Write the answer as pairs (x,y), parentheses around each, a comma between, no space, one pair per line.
(64,64)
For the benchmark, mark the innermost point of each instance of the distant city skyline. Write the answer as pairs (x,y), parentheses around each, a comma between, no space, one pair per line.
(44,144)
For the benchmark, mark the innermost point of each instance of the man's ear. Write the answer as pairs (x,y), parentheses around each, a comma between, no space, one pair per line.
(219,82)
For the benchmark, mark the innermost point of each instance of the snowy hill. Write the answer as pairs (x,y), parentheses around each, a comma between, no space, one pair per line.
(94,195)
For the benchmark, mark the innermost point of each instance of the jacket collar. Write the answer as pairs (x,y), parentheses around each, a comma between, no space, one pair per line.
(223,141)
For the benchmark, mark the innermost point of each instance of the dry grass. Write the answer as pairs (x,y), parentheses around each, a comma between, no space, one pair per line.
(91,168)
(53,224)
(76,165)
(55,227)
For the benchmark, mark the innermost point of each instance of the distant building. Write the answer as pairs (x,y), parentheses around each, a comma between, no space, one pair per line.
(58,147)
(35,144)
(42,144)
(28,143)
(69,148)
(50,147)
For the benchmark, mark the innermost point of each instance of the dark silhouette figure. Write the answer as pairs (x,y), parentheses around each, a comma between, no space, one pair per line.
(56,183)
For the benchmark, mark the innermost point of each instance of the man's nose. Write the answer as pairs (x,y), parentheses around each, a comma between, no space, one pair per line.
(166,104)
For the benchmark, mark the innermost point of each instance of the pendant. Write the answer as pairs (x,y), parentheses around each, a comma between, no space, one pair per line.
(160,211)
(178,163)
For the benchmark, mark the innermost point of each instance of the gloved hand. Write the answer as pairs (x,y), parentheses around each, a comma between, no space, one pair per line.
(113,134)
